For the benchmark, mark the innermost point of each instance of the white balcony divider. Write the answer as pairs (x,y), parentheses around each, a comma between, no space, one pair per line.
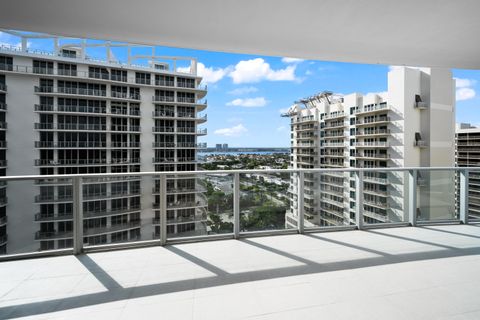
(463,192)
(359,199)
(412,204)
(77,190)
(300,200)
(460,180)
(236,205)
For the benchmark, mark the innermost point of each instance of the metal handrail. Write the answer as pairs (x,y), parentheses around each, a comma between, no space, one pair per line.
(265,171)
(162,203)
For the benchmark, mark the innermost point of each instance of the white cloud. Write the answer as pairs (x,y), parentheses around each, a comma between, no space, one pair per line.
(282,128)
(464,94)
(243,90)
(308,73)
(234,131)
(209,74)
(291,60)
(248,102)
(245,71)
(284,110)
(256,70)
(464,89)
(463,82)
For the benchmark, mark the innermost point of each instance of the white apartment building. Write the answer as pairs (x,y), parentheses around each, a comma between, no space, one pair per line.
(70,113)
(410,125)
(468,155)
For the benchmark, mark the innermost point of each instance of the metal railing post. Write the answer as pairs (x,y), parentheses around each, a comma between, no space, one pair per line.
(412,197)
(463,192)
(359,199)
(300,199)
(236,205)
(163,209)
(77,211)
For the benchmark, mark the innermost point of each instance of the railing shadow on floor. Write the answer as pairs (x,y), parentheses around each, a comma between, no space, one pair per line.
(116,292)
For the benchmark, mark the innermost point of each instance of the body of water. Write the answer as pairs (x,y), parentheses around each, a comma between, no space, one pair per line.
(236,153)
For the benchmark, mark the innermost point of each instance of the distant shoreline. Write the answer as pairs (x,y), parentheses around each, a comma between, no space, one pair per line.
(236,153)
(245,150)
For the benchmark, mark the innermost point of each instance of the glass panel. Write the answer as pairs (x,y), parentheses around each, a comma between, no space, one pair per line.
(35,216)
(326,201)
(385,196)
(199,205)
(264,201)
(474,195)
(436,195)
(116,211)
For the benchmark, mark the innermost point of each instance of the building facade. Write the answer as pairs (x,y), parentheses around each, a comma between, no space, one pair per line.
(69,113)
(468,155)
(410,125)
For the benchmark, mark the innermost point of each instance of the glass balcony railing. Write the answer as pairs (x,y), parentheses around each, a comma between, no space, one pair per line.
(80,212)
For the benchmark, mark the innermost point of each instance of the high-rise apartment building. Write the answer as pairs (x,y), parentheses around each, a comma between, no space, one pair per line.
(468,155)
(410,125)
(70,113)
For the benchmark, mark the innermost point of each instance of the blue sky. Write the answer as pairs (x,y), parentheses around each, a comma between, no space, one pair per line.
(246,93)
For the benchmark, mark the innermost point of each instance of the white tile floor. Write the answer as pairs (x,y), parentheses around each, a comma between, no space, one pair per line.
(399,273)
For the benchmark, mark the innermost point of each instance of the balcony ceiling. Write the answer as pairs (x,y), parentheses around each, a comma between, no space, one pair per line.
(440,33)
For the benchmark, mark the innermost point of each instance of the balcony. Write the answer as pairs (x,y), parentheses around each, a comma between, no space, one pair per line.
(49,235)
(70,109)
(125,128)
(173,265)
(163,99)
(164,83)
(334,115)
(387,266)
(70,162)
(377,132)
(100,77)
(373,108)
(304,120)
(70,91)
(367,122)
(70,126)
(373,144)
(70,144)
(113,228)
(381,156)
(124,95)
(3,87)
